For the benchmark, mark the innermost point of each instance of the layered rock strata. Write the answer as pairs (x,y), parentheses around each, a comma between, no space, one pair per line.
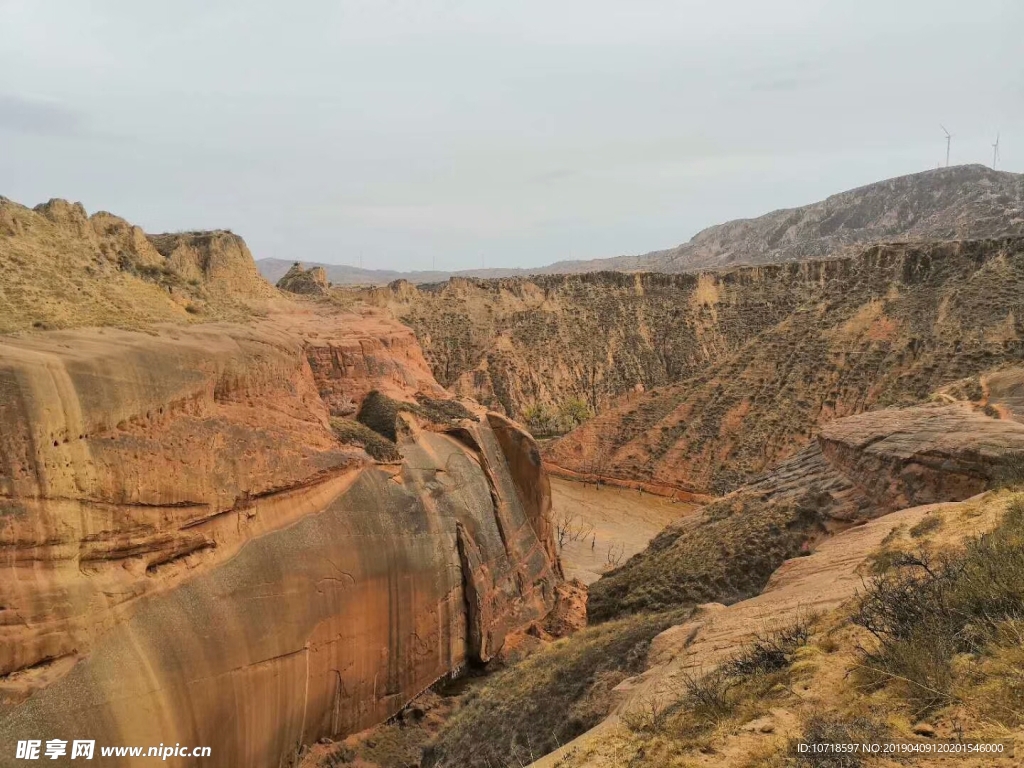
(189,554)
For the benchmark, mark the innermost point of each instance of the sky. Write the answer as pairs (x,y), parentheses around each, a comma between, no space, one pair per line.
(411,134)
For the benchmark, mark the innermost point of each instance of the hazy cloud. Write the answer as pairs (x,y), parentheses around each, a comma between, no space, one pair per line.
(37,117)
(416,132)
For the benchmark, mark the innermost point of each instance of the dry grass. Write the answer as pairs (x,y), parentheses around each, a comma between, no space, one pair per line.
(926,610)
(63,270)
(809,682)
(834,728)
(548,699)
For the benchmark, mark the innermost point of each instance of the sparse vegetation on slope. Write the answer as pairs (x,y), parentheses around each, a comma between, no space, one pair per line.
(724,557)
(826,679)
(828,339)
(548,699)
(925,610)
(63,269)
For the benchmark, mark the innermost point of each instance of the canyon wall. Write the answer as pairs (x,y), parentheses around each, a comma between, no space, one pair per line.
(891,327)
(189,553)
(604,337)
(699,382)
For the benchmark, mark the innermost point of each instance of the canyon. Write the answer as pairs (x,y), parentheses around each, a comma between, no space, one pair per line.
(284,521)
(701,381)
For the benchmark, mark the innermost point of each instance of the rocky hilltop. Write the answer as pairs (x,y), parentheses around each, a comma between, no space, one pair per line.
(63,268)
(200,544)
(962,202)
(958,203)
(311,281)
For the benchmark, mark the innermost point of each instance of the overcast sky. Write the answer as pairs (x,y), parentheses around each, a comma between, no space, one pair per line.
(416,132)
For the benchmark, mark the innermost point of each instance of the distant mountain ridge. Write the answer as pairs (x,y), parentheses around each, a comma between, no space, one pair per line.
(959,203)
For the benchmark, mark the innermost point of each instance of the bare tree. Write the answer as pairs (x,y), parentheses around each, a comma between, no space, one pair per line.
(570,527)
(615,554)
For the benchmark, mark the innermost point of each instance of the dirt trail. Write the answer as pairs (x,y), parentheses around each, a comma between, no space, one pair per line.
(618,523)
(802,586)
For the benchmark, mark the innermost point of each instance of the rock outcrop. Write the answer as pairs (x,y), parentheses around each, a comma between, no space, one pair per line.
(191,552)
(61,268)
(857,469)
(910,456)
(311,282)
(219,259)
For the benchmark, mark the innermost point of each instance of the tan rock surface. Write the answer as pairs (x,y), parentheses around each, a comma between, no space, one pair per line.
(909,456)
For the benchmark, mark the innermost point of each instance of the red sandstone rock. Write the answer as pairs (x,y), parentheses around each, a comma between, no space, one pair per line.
(188,554)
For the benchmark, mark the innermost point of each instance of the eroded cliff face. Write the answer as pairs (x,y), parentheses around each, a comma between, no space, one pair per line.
(792,347)
(889,324)
(189,554)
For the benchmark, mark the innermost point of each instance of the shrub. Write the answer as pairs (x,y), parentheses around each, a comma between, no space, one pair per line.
(380,448)
(572,413)
(1010,472)
(379,412)
(440,411)
(927,525)
(924,611)
(771,651)
(832,728)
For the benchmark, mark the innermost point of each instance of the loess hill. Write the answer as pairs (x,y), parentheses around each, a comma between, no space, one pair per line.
(700,381)
(958,203)
(62,268)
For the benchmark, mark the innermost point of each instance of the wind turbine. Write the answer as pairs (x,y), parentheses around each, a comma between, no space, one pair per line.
(949,136)
(995,152)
